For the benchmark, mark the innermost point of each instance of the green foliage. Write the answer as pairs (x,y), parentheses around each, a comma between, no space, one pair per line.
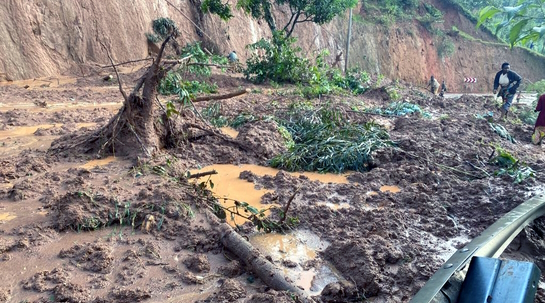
(212,113)
(527,114)
(399,109)
(163,27)
(198,56)
(317,11)
(538,87)
(218,8)
(325,141)
(446,48)
(243,210)
(355,80)
(390,11)
(502,132)
(524,22)
(511,166)
(241,119)
(173,84)
(281,61)
(153,38)
(431,16)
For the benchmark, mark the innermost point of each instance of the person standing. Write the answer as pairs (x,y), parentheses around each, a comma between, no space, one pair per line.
(539,129)
(433,85)
(443,89)
(507,81)
(233,57)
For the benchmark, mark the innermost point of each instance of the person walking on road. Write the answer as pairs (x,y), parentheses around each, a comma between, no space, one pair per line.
(539,129)
(443,89)
(433,85)
(507,81)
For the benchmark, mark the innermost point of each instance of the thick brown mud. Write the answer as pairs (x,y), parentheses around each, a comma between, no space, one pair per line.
(79,229)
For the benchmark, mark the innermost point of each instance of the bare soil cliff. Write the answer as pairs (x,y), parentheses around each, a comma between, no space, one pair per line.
(45,38)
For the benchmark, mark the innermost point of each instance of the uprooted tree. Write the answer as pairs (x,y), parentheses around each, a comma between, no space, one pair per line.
(136,128)
(143,125)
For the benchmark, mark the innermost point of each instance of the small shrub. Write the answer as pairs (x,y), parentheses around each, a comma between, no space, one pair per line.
(446,48)
(538,87)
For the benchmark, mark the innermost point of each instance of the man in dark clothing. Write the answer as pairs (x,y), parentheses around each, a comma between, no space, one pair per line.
(508,81)
(539,129)
(443,89)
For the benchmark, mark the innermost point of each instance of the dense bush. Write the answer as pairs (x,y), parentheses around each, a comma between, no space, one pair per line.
(276,60)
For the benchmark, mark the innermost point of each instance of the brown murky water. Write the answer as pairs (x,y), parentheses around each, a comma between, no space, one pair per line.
(55,107)
(229,131)
(297,248)
(12,141)
(228,185)
(99,162)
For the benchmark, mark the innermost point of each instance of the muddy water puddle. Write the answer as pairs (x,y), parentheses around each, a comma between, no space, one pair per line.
(56,107)
(110,248)
(226,184)
(99,162)
(297,249)
(43,82)
(14,140)
(229,131)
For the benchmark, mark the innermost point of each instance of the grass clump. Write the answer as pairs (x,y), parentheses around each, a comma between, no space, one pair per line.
(323,140)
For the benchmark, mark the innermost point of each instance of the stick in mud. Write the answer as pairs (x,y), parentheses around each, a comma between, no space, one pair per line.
(206,173)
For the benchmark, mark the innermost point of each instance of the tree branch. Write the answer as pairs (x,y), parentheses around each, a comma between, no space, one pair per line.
(206,173)
(126,62)
(220,97)
(116,73)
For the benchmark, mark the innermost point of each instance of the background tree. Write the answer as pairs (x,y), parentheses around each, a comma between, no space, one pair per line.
(317,11)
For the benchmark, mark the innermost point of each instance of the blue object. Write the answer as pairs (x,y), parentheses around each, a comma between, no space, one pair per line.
(491,280)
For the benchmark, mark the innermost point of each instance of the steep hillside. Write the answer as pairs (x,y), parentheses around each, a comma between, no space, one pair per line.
(46,38)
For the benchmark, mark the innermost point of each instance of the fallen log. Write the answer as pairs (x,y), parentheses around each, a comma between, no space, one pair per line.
(271,275)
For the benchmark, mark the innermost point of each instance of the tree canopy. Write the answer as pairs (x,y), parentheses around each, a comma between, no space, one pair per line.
(317,11)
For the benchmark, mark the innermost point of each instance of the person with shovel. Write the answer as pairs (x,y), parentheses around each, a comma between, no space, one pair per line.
(539,128)
(507,81)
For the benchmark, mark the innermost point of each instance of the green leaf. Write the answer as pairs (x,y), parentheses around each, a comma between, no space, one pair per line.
(211,184)
(514,34)
(485,13)
(253,210)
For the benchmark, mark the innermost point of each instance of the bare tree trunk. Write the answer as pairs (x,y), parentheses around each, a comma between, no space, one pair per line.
(271,275)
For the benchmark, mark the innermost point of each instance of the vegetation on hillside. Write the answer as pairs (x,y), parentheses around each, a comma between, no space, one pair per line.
(317,11)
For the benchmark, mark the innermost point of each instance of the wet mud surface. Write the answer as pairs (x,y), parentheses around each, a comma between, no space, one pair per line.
(129,230)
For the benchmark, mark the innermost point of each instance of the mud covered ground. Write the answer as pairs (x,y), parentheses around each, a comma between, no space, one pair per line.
(135,230)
